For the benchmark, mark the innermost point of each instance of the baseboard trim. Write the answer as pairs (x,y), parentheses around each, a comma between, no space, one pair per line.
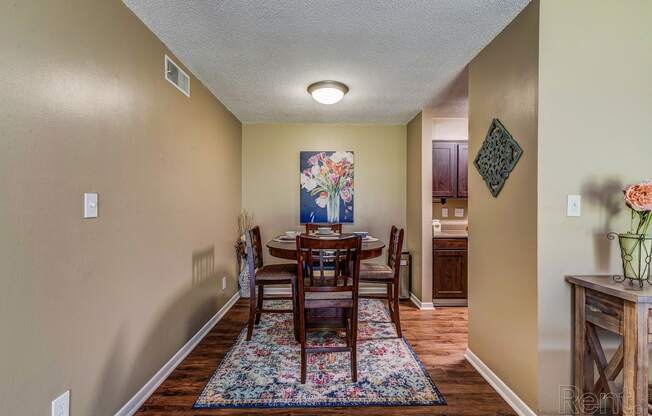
(143,394)
(501,388)
(424,306)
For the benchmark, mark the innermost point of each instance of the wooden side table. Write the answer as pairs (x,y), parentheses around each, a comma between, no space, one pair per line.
(599,302)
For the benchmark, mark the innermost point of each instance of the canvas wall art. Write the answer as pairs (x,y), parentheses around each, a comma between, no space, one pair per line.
(327,190)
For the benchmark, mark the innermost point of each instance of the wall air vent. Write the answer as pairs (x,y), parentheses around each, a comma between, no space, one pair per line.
(177,76)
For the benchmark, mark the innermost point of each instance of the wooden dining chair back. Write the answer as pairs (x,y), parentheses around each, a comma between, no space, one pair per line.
(335,290)
(266,275)
(388,274)
(312,227)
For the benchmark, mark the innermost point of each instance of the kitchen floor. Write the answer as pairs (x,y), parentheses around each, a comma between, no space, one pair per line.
(439,337)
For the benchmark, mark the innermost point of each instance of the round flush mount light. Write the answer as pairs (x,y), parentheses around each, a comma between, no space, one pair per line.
(327,92)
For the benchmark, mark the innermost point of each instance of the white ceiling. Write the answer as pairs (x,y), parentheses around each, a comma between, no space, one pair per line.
(396,56)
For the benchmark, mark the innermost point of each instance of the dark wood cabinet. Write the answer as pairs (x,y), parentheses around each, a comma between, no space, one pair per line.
(462,170)
(449,169)
(444,169)
(449,269)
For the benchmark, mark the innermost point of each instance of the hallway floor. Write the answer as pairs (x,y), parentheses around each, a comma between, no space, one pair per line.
(439,338)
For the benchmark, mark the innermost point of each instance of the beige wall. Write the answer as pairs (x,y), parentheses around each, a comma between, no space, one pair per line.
(419,203)
(503,231)
(413,200)
(450,128)
(595,129)
(451,204)
(98,306)
(270,172)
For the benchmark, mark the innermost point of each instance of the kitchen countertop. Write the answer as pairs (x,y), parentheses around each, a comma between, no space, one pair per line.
(454,234)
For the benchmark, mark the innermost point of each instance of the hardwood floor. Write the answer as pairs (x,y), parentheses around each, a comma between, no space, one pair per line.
(439,338)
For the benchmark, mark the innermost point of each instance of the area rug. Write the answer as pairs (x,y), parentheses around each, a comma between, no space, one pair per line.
(264,372)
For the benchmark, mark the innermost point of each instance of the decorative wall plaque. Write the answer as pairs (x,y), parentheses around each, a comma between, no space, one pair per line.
(497,157)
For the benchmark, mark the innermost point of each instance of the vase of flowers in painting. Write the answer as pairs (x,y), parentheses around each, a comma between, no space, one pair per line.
(636,244)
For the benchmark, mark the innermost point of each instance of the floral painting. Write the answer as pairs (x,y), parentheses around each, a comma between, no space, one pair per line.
(326,187)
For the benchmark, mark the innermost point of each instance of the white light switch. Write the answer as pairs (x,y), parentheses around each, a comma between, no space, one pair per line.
(574,206)
(90,205)
(61,405)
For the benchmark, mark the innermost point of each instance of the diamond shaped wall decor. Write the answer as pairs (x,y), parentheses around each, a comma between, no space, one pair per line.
(497,157)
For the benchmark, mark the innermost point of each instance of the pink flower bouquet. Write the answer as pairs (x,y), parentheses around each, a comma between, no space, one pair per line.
(638,198)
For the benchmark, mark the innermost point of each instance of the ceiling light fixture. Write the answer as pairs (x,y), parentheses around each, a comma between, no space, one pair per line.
(327,92)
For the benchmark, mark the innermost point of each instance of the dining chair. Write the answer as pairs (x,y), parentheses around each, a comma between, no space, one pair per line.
(312,227)
(331,289)
(266,275)
(388,274)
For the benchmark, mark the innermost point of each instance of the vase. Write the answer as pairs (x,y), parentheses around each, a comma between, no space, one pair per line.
(636,253)
(333,208)
(243,280)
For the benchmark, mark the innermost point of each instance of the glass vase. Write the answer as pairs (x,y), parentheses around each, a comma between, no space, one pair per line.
(333,208)
(636,253)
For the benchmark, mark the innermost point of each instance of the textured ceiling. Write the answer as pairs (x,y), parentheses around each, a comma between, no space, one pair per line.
(396,56)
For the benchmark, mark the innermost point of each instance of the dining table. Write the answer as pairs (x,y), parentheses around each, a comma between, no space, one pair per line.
(288,249)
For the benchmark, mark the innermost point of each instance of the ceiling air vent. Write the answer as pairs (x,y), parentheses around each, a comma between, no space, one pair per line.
(177,76)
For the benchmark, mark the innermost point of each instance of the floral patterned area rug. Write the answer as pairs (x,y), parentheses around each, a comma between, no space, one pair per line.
(264,372)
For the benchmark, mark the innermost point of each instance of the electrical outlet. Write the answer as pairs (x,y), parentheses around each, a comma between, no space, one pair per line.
(223,282)
(61,405)
(459,212)
(444,212)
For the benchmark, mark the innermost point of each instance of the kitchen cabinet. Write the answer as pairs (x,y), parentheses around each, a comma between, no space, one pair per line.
(449,269)
(462,170)
(449,169)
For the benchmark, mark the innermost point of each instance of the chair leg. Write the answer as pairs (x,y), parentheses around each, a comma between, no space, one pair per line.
(396,316)
(295,313)
(252,315)
(347,327)
(259,306)
(389,300)
(303,363)
(354,345)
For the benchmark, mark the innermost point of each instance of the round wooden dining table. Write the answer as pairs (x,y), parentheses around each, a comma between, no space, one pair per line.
(288,251)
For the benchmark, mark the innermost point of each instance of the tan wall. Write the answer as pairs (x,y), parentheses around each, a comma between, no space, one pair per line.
(270,172)
(451,204)
(414,207)
(98,306)
(594,137)
(503,231)
(450,128)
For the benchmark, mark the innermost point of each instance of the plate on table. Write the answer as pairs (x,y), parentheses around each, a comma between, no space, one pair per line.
(369,239)
(285,239)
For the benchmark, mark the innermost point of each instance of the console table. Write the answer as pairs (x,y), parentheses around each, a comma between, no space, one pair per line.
(600,302)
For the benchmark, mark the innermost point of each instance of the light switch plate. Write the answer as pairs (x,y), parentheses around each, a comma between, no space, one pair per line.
(223,282)
(574,208)
(61,405)
(91,202)
(444,212)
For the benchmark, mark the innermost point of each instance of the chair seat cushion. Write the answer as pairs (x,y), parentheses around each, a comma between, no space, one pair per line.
(328,295)
(276,273)
(375,271)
